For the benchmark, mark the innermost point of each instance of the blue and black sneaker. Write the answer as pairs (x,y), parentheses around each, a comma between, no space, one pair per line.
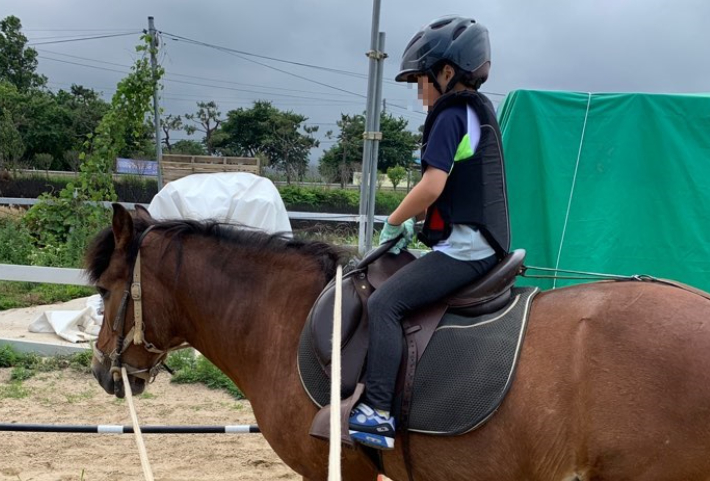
(369,428)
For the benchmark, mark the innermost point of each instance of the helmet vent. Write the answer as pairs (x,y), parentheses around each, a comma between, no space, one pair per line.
(414,40)
(459,31)
(442,23)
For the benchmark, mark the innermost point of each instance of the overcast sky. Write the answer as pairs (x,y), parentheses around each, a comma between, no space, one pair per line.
(580,45)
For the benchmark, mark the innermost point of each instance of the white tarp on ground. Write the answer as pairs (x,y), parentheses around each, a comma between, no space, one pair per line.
(241,197)
(73,326)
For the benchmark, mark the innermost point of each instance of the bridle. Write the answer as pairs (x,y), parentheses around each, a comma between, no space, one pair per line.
(137,333)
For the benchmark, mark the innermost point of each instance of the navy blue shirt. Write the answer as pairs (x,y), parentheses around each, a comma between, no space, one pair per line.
(449,129)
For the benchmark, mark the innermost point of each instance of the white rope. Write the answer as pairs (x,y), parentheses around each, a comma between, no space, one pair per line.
(145,464)
(574,182)
(334,468)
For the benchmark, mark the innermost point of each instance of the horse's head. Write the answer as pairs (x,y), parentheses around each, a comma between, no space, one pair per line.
(128,337)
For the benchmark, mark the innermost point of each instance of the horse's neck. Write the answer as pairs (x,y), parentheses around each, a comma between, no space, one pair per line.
(247,316)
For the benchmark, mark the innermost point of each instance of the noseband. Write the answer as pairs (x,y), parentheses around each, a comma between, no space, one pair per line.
(137,333)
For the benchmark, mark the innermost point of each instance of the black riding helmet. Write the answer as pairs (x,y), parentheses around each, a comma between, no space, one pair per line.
(459,41)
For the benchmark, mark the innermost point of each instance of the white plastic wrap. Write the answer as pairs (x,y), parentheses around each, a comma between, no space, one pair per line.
(227,197)
(73,326)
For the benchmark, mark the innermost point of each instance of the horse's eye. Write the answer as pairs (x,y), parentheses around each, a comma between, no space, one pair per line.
(103,292)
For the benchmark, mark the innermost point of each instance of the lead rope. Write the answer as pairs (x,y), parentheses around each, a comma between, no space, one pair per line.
(334,461)
(574,182)
(142,453)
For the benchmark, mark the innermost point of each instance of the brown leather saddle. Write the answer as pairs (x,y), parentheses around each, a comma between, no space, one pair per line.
(486,295)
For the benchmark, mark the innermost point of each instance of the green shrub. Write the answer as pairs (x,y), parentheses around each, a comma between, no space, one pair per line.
(343,201)
(20,374)
(25,365)
(15,242)
(8,356)
(190,369)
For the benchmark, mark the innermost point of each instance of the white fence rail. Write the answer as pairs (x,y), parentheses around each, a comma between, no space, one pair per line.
(56,275)
(50,275)
(313,216)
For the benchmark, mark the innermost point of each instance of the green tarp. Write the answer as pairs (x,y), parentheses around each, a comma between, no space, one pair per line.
(612,183)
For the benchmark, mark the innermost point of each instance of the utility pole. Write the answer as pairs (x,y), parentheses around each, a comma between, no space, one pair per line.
(156,106)
(372,135)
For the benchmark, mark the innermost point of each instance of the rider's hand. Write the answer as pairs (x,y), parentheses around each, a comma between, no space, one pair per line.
(389,232)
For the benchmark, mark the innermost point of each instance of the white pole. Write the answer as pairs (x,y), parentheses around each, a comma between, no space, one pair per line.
(334,468)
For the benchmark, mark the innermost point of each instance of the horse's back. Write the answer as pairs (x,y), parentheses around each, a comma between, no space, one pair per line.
(625,367)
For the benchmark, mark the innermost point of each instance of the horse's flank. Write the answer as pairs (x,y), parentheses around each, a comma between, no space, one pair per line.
(613,381)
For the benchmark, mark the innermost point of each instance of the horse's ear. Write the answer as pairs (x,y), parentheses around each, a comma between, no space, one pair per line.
(142,213)
(122,226)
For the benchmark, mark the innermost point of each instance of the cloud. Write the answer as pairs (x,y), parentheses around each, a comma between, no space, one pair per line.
(584,45)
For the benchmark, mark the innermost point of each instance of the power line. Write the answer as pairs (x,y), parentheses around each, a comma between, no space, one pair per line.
(44,57)
(232,52)
(250,54)
(76,29)
(172,74)
(249,91)
(96,37)
(200,84)
(183,98)
(74,36)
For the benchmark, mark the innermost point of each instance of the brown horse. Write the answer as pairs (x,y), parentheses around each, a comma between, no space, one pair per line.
(613,381)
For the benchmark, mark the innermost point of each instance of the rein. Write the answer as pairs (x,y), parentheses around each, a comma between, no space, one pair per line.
(137,333)
(581,275)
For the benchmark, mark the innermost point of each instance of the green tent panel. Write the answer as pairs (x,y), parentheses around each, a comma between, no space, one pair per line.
(610,183)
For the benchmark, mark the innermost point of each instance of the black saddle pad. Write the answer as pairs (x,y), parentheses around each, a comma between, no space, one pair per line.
(463,375)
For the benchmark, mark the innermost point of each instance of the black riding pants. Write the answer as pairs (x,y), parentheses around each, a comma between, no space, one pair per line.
(423,282)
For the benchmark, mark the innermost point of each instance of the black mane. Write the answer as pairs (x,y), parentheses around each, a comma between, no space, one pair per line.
(98,255)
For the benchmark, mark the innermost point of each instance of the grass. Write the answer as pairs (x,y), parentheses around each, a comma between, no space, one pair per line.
(26,294)
(27,365)
(190,369)
(13,390)
(82,396)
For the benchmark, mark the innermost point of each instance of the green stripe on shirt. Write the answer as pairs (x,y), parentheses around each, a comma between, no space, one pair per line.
(464,150)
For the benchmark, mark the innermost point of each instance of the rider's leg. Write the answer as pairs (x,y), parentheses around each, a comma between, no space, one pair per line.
(423,282)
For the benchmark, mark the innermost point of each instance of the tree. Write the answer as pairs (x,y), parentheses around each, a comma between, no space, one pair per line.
(43,161)
(340,161)
(245,131)
(396,146)
(72,160)
(188,147)
(124,127)
(264,130)
(11,145)
(208,121)
(18,62)
(85,109)
(169,124)
(288,147)
(52,123)
(396,174)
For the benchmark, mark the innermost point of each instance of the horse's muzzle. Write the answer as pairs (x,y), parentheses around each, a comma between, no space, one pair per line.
(103,375)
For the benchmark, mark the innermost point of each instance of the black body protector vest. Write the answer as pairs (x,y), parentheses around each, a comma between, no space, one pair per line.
(475,191)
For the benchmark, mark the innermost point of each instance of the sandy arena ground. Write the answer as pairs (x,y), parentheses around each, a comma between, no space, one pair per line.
(68,397)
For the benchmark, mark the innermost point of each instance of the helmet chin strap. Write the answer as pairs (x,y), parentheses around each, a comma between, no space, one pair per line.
(455,79)
(434,81)
(458,74)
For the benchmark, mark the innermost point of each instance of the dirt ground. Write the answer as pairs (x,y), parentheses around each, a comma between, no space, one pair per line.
(68,397)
